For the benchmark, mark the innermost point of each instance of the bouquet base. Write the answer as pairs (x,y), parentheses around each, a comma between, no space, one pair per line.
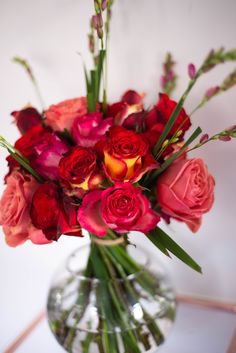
(92,311)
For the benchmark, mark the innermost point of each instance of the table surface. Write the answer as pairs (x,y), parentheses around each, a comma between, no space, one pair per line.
(196,330)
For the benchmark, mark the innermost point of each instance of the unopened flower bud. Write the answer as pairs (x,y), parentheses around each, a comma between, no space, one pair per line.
(165,143)
(170,76)
(100,20)
(212,91)
(191,71)
(91,43)
(104,4)
(163,81)
(100,33)
(94,21)
(224,138)
(231,128)
(96,6)
(179,133)
(204,138)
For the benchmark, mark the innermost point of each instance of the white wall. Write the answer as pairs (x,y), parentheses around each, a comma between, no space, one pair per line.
(48,34)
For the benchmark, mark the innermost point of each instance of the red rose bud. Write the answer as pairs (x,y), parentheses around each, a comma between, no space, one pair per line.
(132,97)
(26,118)
(191,71)
(204,138)
(78,168)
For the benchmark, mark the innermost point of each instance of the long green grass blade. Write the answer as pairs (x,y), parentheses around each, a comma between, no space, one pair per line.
(174,248)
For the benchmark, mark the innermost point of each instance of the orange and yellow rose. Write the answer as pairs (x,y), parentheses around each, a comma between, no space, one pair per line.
(126,155)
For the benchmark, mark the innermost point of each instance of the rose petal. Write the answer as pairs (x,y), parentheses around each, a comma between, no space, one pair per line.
(148,222)
(89,214)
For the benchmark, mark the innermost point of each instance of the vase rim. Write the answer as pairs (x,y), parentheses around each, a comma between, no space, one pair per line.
(143,260)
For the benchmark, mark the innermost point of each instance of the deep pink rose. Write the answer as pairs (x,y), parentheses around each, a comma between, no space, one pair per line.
(62,115)
(26,118)
(48,153)
(87,130)
(43,148)
(185,191)
(122,208)
(14,210)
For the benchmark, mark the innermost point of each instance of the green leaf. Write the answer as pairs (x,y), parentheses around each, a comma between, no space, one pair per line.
(173,247)
(170,160)
(101,57)
(169,125)
(90,99)
(156,240)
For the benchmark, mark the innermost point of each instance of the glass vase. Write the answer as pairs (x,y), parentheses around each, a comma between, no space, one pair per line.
(108,309)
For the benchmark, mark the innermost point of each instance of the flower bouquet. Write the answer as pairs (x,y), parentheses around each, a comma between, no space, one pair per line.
(87,166)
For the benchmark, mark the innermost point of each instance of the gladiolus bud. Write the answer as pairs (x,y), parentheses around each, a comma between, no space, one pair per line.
(191,71)
(104,4)
(204,138)
(212,91)
(231,128)
(224,138)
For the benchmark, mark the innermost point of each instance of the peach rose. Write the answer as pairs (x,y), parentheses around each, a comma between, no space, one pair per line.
(62,115)
(14,210)
(185,191)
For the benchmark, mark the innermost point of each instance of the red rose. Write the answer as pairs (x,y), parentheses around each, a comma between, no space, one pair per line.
(126,155)
(26,144)
(132,97)
(121,207)
(78,168)
(26,118)
(157,118)
(52,213)
(121,110)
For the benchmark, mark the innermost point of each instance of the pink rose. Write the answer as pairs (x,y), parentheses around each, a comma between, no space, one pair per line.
(90,128)
(62,115)
(122,208)
(185,191)
(48,153)
(14,210)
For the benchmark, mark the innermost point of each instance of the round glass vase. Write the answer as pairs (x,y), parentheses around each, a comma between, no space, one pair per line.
(117,314)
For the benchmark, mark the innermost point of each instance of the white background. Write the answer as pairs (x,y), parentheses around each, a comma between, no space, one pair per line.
(48,34)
